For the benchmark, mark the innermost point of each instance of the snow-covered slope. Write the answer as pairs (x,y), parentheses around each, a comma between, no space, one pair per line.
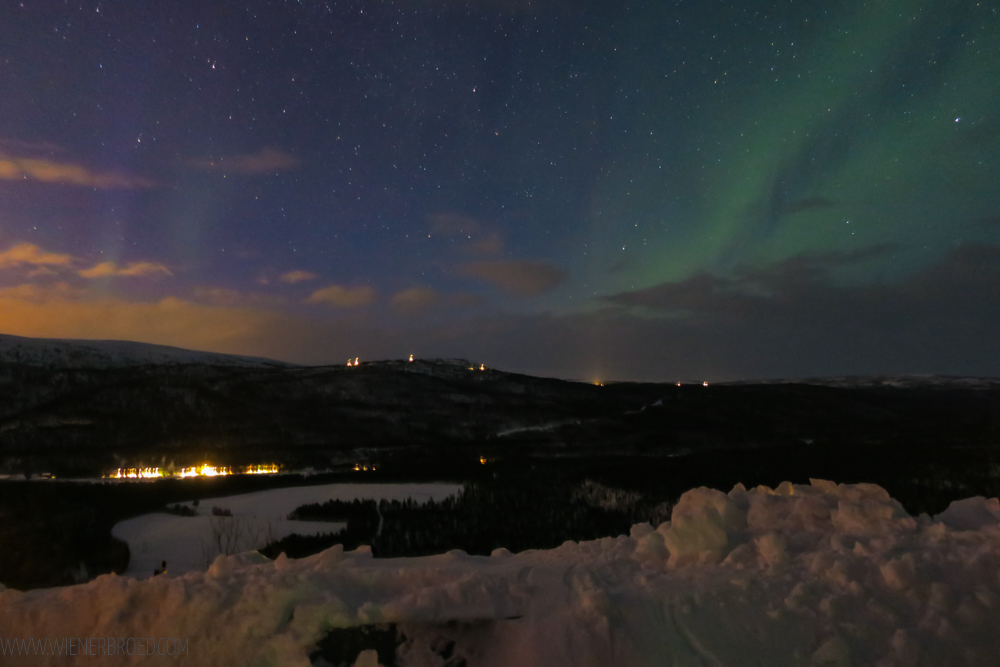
(800,575)
(65,353)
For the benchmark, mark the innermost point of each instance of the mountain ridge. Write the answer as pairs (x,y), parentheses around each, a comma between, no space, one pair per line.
(84,353)
(235,411)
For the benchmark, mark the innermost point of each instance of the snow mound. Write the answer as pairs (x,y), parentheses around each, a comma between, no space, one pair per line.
(67,353)
(818,574)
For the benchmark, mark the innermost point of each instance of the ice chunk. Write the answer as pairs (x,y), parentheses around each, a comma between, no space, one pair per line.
(651,547)
(833,653)
(785,489)
(866,508)
(640,530)
(826,486)
(699,524)
(771,548)
(367,658)
(899,573)
(971,513)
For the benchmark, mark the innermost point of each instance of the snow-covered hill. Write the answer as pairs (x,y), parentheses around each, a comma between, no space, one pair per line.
(899,381)
(65,353)
(819,574)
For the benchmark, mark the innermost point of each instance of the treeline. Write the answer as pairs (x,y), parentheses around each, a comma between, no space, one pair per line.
(336,510)
(55,533)
(486,516)
(544,503)
(50,529)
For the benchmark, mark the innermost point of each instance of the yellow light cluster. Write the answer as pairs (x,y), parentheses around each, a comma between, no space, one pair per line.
(265,469)
(204,471)
(137,473)
(364,466)
(195,471)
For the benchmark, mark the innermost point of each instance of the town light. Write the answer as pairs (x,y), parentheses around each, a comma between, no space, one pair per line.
(204,470)
(137,473)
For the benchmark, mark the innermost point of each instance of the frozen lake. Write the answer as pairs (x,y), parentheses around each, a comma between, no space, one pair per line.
(186,542)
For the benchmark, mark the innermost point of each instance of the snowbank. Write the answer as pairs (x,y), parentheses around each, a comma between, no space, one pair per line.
(800,575)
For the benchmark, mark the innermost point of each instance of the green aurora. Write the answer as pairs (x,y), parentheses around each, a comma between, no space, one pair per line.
(855,136)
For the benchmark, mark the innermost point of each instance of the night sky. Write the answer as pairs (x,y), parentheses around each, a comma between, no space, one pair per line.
(592,190)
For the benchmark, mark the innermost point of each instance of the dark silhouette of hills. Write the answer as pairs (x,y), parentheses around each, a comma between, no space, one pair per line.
(84,419)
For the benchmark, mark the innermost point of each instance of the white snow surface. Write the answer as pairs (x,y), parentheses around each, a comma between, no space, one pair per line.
(261,517)
(819,574)
(73,353)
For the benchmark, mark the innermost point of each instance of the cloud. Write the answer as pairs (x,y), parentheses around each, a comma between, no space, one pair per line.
(522,278)
(421,300)
(41,271)
(626,262)
(454,223)
(491,245)
(481,241)
(807,204)
(63,311)
(343,297)
(707,292)
(14,168)
(32,255)
(264,161)
(32,293)
(31,146)
(799,318)
(788,319)
(222,296)
(29,254)
(293,277)
(28,310)
(414,299)
(109,269)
